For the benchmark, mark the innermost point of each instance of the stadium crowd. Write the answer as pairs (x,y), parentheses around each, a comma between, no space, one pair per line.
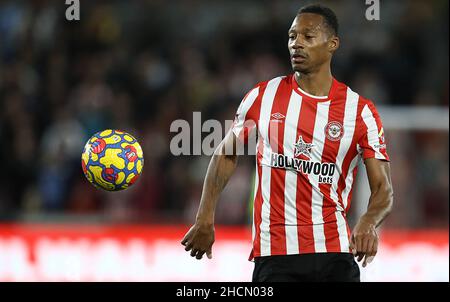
(139,65)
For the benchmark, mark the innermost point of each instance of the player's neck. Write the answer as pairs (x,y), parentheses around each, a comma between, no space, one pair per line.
(315,83)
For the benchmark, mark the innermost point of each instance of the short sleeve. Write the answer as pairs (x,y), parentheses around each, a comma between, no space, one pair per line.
(245,122)
(372,143)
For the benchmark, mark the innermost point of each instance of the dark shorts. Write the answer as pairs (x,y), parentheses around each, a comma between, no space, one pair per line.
(320,267)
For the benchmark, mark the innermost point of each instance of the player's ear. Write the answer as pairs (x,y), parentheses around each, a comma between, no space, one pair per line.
(333,44)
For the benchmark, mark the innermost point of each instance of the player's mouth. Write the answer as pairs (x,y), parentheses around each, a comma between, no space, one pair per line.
(298,58)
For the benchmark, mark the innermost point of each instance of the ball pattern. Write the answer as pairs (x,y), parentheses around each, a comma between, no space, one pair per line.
(112,160)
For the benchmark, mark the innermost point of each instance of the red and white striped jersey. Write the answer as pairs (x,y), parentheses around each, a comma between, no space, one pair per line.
(307,152)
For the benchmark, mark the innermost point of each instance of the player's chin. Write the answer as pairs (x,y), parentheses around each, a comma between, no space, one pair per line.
(299,68)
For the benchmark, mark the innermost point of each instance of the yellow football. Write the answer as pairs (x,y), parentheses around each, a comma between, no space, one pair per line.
(112,160)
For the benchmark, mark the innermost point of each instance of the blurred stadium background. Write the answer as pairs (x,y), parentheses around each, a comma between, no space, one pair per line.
(139,65)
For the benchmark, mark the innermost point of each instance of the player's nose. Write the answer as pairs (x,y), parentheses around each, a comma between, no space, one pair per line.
(297,44)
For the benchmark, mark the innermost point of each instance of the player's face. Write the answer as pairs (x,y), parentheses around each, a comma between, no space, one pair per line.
(309,43)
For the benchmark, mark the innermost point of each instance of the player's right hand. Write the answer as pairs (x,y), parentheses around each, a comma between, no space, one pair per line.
(199,240)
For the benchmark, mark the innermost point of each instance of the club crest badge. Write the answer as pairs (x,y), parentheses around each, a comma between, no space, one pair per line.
(334,131)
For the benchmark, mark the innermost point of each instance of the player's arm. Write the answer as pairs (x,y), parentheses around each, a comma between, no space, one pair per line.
(200,238)
(364,239)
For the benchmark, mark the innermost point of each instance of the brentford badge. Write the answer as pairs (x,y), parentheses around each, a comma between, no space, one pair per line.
(334,131)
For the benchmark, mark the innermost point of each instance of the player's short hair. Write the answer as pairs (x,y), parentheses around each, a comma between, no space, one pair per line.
(328,15)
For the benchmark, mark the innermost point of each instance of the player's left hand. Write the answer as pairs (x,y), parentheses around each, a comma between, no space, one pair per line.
(364,241)
(199,240)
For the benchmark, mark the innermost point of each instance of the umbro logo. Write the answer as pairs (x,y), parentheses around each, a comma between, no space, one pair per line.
(277,117)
